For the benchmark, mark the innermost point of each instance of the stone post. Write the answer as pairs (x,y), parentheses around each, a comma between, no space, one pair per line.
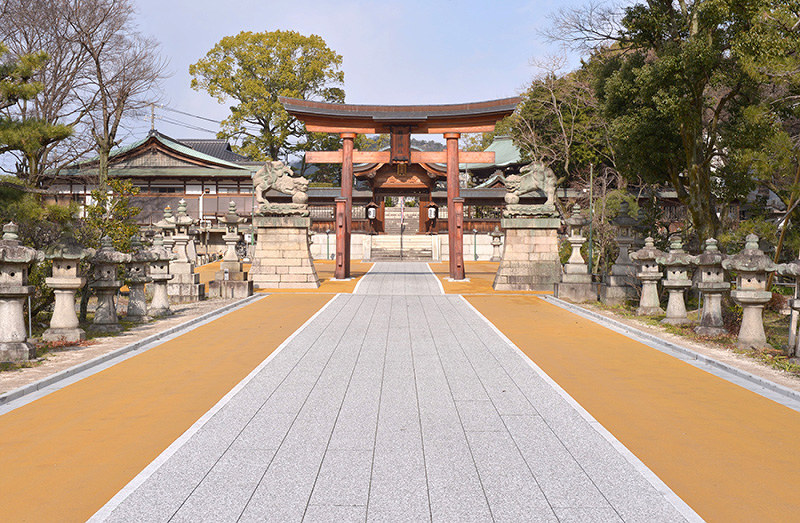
(159,273)
(66,256)
(712,284)
(496,243)
(751,267)
(15,260)
(792,270)
(185,287)
(576,282)
(106,285)
(676,264)
(231,281)
(650,275)
(618,286)
(138,278)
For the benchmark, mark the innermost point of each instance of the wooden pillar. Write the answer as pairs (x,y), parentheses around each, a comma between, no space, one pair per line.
(423,212)
(340,222)
(347,194)
(455,209)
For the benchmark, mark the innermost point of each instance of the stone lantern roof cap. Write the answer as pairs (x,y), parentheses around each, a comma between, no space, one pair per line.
(107,253)
(676,257)
(750,259)
(790,269)
(168,221)
(577,219)
(710,257)
(624,218)
(161,253)
(140,253)
(647,253)
(12,251)
(182,218)
(68,248)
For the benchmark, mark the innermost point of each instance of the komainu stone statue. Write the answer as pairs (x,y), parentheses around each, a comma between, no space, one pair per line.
(279,176)
(535,176)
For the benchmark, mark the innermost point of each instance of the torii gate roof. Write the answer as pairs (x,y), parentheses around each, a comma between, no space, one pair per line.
(422,119)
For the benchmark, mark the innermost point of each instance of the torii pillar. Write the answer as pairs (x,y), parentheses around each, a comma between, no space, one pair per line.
(342,269)
(455,209)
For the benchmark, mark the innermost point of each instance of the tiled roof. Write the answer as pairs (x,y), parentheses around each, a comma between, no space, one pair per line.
(214,147)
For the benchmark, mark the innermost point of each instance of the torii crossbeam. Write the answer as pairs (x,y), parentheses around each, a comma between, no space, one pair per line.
(400,122)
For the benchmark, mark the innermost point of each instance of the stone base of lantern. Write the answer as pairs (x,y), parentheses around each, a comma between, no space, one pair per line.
(617,290)
(530,258)
(185,286)
(576,285)
(17,351)
(231,288)
(282,257)
(75,335)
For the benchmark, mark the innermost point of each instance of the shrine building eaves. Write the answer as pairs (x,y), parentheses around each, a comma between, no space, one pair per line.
(422,119)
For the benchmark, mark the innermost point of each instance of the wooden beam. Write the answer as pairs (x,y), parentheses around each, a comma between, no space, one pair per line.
(384,156)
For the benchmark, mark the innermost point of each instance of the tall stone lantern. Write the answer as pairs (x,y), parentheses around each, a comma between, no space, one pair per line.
(650,274)
(677,264)
(713,285)
(576,282)
(167,227)
(185,286)
(106,285)
(792,270)
(15,260)
(159,273)
(183,223)
(752,267)
(141,258)
(497,241)
(230,281)
(66,256)
(618,286)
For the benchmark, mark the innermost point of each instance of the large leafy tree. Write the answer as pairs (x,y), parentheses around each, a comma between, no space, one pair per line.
(253,70)
(673,77)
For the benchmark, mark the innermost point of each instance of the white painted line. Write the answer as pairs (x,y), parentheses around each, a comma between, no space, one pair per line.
(675,500)
(355,289)
(441,287)
(106,510)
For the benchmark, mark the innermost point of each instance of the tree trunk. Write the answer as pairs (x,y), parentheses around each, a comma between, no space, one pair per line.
(700,202)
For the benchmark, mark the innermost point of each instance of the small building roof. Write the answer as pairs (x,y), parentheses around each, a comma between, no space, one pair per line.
(505,154)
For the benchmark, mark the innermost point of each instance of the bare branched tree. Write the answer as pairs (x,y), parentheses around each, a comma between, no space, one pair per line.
(594,24)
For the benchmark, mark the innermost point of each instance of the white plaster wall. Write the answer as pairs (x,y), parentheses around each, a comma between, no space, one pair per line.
(484,249)
(319,249)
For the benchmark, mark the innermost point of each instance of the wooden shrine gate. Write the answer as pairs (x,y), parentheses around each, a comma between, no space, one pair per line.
(400,122)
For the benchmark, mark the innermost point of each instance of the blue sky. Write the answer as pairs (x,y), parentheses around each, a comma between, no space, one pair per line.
(395,52)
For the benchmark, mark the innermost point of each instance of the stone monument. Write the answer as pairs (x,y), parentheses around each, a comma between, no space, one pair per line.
(66,256)
(185,286)
(231,281)
(576,282)
(15,260)
(530,257)
(618,286)
(159,273)
(138,278)
(106,285)
(282,257)
(751,266)
(713,285)
(649,274)
(676,264)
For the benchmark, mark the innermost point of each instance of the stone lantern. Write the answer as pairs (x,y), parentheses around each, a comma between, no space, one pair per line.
(159,273)
(618,287)
(713,285)
(677,265)
(167,227)
(752,267)
(576,282)
(66,256)
(792,270)
(185,286)
(230,281)
(640,228)
(106,285)
(15,260)
(496,243)
(183,223)
(138,278)
(650,274)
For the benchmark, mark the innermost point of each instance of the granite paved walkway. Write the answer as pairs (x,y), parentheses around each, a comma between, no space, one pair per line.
(397,403)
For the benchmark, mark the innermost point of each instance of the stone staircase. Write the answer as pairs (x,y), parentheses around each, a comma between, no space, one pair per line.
(386,247)
(391,224)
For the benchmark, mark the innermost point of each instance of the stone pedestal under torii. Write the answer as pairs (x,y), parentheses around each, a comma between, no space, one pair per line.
(159,273)
(106,285)
(15,260)
(676,265)
(282,257)
(649,274)
(576,282)
(66,256)
(231,281)
(713,285)
(618,286)
(751,267)
(141,258)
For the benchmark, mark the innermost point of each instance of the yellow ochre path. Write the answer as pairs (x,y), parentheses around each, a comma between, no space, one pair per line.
(480,276)
(66,454)
(728,452)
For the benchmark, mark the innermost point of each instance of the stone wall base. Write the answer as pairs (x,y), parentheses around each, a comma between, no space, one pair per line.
(577,292)
(616,291)
(186,292)
(64,335)
(230,288)
(16,351)
(530,258)
(282,258)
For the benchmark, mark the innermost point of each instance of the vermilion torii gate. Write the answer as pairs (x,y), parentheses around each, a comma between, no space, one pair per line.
(400,122)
